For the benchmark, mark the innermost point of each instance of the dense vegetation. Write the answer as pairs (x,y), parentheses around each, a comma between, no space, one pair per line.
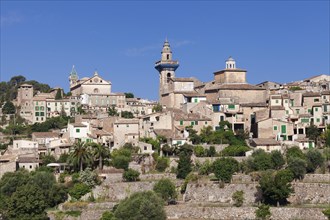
(26,195)
(8,90)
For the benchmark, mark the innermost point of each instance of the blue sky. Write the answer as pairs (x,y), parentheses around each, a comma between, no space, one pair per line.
(274,40)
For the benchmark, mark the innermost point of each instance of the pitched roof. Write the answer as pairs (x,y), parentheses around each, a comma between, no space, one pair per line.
(238,86)
(277,108)
(311,94)
(28,160)
(326,92)
(260,104)
(127,121)
(182,79)
(45,134)
(77,124)
(265,141)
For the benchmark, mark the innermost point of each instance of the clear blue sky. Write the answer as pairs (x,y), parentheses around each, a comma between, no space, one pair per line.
(279,41)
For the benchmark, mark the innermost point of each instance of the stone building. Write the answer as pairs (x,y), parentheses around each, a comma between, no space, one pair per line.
(24,101)
(171,89)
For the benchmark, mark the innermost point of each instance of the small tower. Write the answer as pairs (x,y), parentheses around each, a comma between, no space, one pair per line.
(166,68)
(73,78)
(230,63)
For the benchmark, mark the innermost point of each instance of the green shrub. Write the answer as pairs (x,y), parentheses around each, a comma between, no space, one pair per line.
(162,164)
(107,215)
(211,152)
(74,213)
(75,178)
(199,151)
(238,198)
(121,162)
(205,168)
(189,178)
(141,205)
(166,189)
(78,190)
(224,168)
(263,212)
(131,175)
(326,212)
(235,151)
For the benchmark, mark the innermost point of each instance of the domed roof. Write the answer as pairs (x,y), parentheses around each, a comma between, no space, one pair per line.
(230,59)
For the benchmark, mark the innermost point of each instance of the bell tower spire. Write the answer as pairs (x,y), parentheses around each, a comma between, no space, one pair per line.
(166,68)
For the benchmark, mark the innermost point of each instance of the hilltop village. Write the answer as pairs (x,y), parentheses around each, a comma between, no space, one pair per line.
(132,139)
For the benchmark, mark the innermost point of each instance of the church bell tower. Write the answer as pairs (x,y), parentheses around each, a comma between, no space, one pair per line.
(166,68)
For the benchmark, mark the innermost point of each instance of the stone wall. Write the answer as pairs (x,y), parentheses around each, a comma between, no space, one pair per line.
(310,193)
(213,193)
(157,176)
(7,167)
(241,213)
(316,178)
(219,213)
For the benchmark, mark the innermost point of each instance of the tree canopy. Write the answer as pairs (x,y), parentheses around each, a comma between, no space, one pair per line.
(141,205)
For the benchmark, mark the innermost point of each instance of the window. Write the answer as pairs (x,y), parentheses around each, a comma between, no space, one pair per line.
(196,122)
(127,125)
(42,113)
(286,112)
(304,120)
(297,111)
(37,114)
(286,101)
(206,122)
(216,108)
(309,110)
(316,100)
(316,109)
(317,120)
(231,106)
(181,122)
(96,90)
(192,123)
(179,142)
(276,101)
(78,130)
(36,108)
(195,100)
(145,148)
(30,166)
(275,128)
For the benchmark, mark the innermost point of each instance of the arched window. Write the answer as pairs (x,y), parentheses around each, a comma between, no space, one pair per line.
(168,77)
(96,90)
(167,56)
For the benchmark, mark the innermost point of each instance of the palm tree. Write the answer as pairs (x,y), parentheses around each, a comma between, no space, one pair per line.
(81,153)
(100,152)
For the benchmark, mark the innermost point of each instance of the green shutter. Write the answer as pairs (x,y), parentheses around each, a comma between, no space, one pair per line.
(181,122)
(275,128)
(192,123)
(310,144)
(231,106)
(196,100)
(283,129)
